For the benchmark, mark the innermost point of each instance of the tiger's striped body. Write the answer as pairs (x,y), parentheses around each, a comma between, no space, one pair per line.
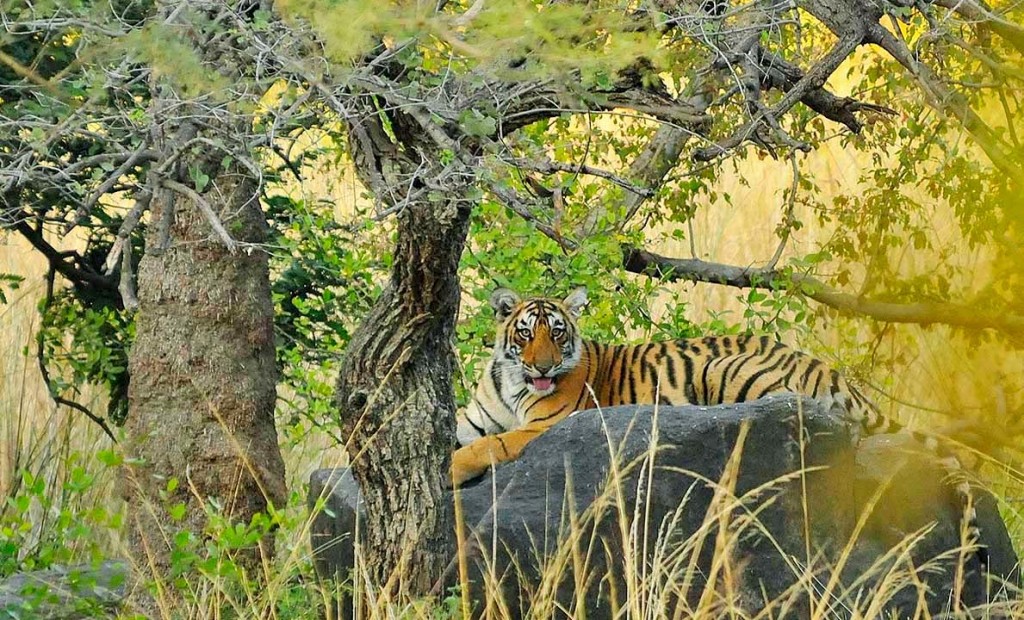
(540,343)
(699,371)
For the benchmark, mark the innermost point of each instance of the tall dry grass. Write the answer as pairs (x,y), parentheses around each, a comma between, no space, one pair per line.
(664,575)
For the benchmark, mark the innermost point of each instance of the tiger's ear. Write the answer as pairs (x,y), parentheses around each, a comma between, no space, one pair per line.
(503,300)
(576,301)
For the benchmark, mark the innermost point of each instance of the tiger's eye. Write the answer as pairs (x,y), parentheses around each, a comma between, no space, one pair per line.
(523,333)
(557,332)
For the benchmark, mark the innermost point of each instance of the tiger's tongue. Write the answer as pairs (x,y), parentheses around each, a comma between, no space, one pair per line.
(542,383)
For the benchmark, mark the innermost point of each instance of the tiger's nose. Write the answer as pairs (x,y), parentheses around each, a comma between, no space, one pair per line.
(543,367)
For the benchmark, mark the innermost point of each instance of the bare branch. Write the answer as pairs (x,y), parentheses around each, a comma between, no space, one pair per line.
(694,270)
(86,207)
(977,12)
(548,166)
(812,80)
(949,102)
(57,259)
(128,224)
(783,75)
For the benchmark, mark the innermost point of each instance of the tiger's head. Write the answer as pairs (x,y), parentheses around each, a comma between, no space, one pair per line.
(538,340)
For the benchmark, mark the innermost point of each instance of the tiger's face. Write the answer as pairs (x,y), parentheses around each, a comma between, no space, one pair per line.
(538,341)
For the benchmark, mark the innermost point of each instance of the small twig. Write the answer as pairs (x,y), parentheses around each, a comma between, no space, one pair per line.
(206,209)
(86,207)
(787,218)
(128,224)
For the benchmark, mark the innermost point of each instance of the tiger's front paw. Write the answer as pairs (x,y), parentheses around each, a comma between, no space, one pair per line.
(464,467)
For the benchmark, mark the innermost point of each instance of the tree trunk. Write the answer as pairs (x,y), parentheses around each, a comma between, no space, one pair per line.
(397,403)
(203,386)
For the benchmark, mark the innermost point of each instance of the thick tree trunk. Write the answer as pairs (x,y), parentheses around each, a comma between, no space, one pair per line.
(203,384)
(397,404)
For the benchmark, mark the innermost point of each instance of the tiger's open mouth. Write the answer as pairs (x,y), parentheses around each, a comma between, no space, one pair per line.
(541,384)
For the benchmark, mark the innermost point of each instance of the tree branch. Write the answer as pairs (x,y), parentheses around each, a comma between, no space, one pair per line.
(984,17)
(811,81)
(640,261)
(782,75)
(548,166)
(86,207)
(948,102)
(57,259)
(206,209)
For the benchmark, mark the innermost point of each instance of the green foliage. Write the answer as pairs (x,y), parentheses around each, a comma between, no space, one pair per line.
(597,40)
(87,345)
(351,28)
(42,525)
(222,557)
(324,279)
(11,282)
(171,58)
(504,250)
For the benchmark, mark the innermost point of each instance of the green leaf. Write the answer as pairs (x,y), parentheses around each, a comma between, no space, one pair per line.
(199,178)
(475,123)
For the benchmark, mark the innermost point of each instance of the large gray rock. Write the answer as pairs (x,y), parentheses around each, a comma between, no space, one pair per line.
(563,528)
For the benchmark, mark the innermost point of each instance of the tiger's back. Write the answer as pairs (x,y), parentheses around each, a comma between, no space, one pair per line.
(715,370)
(542,371)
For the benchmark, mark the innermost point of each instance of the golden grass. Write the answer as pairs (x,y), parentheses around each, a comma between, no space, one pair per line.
(675,581)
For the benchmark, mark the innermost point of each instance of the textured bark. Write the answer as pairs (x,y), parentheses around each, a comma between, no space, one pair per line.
(394,394)
(203,384)
(397,404)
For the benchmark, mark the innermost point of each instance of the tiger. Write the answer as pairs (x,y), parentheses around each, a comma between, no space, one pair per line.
(542,370)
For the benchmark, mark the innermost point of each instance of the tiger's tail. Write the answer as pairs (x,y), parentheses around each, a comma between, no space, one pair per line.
(855,407)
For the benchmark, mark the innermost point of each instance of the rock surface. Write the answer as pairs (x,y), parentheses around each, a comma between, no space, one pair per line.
(568,536)
(64,592)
